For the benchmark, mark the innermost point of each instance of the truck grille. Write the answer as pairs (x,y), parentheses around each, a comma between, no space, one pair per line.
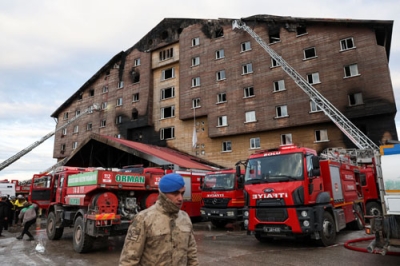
(216,202)
(274,214)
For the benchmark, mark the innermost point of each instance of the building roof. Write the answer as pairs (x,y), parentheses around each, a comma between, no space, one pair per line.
(99,146)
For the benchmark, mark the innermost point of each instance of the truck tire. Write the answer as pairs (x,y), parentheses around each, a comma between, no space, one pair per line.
(261,239)
(148,200)
(53,233)
(219,223)
(81,241)
(374,209)
(328,232)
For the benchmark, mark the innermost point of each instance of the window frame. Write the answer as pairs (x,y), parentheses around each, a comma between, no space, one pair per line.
(103,123)
(195,41)
(220,75)
(255,143)
(344,44)
(281,108)
(348,69)
(220,54)
(357,98)
(313,78)
(314,108)
(196,103)
(245,46)
(195,81)
(221,97)
(164,92)
(171,76)
(279,85)
(172,112)
(247,68)
(163,131)
(250,117)
(222,121)
(195,61)
(305,52)
(286,139)
(135,97)
(119,101)
(321,133)
(226,146)
(248,92)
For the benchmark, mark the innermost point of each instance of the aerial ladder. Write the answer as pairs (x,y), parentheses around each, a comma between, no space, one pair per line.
(343,123)
(17,156)
(387,227)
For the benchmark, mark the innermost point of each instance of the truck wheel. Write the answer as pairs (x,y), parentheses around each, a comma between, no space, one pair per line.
(328,232)
(260,238)
(148,200)
(81,241)
(219,223)
(53,233)
(374,209)
(358,223)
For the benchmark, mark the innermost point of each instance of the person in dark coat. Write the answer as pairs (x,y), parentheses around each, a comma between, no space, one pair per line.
(9,213)
(4,209)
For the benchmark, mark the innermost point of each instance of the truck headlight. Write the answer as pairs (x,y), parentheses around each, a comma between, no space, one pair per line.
(230,213)
(246,213)
(306,223)
(304,214)
(246,222)
(202,212)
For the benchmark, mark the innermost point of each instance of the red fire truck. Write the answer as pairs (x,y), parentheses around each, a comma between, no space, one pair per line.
(290,192)
(101,203)
(223,201)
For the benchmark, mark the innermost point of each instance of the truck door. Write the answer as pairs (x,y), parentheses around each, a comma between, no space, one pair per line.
(59,187)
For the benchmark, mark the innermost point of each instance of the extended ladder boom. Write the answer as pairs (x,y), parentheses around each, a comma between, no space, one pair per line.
(344,124)
(15,157)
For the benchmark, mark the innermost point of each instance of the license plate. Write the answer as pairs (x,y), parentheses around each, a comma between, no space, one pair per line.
(272,229)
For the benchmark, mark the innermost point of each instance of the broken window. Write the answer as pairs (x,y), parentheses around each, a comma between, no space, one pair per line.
(313,78)
(301,30)
(135,97)
(168,73)
(135,114)
(135,76)
(355,99)
(167,93)
(103,123)
(167,112)
(321,135)
(167,133)
(286,139)
(310,53)
(118,120)
(274,37)
(91,92)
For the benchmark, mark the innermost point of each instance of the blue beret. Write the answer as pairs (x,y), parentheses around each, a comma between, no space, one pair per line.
(171,183)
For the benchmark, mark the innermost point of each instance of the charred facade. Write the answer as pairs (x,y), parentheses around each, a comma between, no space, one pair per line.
(199,75)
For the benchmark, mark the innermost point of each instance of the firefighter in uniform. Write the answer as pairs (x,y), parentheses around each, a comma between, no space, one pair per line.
(162,234)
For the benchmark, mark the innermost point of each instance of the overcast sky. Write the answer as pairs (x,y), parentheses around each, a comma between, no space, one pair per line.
(49,49)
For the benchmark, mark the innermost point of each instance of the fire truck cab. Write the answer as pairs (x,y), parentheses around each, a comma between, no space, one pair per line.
(291,192)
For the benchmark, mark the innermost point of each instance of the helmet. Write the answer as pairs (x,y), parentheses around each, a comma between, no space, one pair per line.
(20,196)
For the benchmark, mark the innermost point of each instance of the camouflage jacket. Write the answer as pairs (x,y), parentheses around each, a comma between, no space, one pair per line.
(160,235)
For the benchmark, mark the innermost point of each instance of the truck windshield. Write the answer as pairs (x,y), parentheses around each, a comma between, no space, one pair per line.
(219,182)
(277,168)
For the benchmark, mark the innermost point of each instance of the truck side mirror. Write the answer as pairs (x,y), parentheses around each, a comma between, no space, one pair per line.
(240,181)
(237,170)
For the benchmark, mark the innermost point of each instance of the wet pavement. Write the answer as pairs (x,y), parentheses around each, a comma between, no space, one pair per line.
(221,247)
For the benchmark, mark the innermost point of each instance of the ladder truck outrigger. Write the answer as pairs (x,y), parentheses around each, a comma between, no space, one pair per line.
(23,152)
(386,227)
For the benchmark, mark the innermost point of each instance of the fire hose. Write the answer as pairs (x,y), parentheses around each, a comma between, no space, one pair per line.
(371,247)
